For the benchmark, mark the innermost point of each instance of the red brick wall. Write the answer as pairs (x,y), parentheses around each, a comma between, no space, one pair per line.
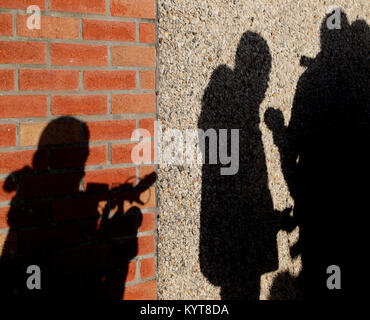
(93,61)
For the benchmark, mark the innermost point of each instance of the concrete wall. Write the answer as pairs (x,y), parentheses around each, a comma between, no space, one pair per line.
(198,76)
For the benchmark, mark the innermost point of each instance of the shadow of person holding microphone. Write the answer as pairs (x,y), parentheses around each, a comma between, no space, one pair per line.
(324,161)
(82,248)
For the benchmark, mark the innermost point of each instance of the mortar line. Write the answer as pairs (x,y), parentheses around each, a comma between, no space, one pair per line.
(138,82)
(16,80)
(107,3)
(48,105)
(137,175)
(81,81)
(17,134)
(93,118)
(48,55)
(138,269)
(109,51)
(94,143)
(109,153)
(75,92)
(68,67)
(80,29)
(109,102)
(78,41)
(14,25)
(83,15)
(137,32)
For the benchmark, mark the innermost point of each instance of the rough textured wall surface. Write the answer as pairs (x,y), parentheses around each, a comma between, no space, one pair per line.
(195,39)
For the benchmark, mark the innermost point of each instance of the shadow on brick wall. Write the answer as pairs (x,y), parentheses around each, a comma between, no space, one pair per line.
(81,248)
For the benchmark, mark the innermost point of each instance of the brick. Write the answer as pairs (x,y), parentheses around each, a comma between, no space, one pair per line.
(145,245)
(68,157)
(51,27)
(123,249)
(77,208)
(79,105)
(7,189)
(25,215)
(146,196)
(133,8)
(7,135)
(109,30)
(4,217)
(133,56)
(8,243)
(145,170)
(148,156)
(147,79)
(142,291)
(134,103)
(147,32)
(75,157)
(56,237)
(131,271)
(148,222)
(80,257)
(109,177)
(110,80)
(6,25)
(21,4)
(151,159)
(48,80)
(61,133)
(149,198)
(148,124)
(85,6)
(30,133)
(7,80)
(16,160)
(147,268)
(121,153)
(111,130)
(49,185)
(78,55)
(22,52)
(121,225)
(22,106)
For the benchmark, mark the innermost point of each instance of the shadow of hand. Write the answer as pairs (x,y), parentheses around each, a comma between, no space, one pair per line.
(274,120)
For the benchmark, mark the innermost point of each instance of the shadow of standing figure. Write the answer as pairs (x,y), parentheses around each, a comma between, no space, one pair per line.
(238,225)
(81,249)
(324,158)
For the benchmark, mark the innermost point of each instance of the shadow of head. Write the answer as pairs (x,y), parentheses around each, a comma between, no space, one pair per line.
(334,29)
(63,144)
(340,40)
(60,134)
(253,64)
